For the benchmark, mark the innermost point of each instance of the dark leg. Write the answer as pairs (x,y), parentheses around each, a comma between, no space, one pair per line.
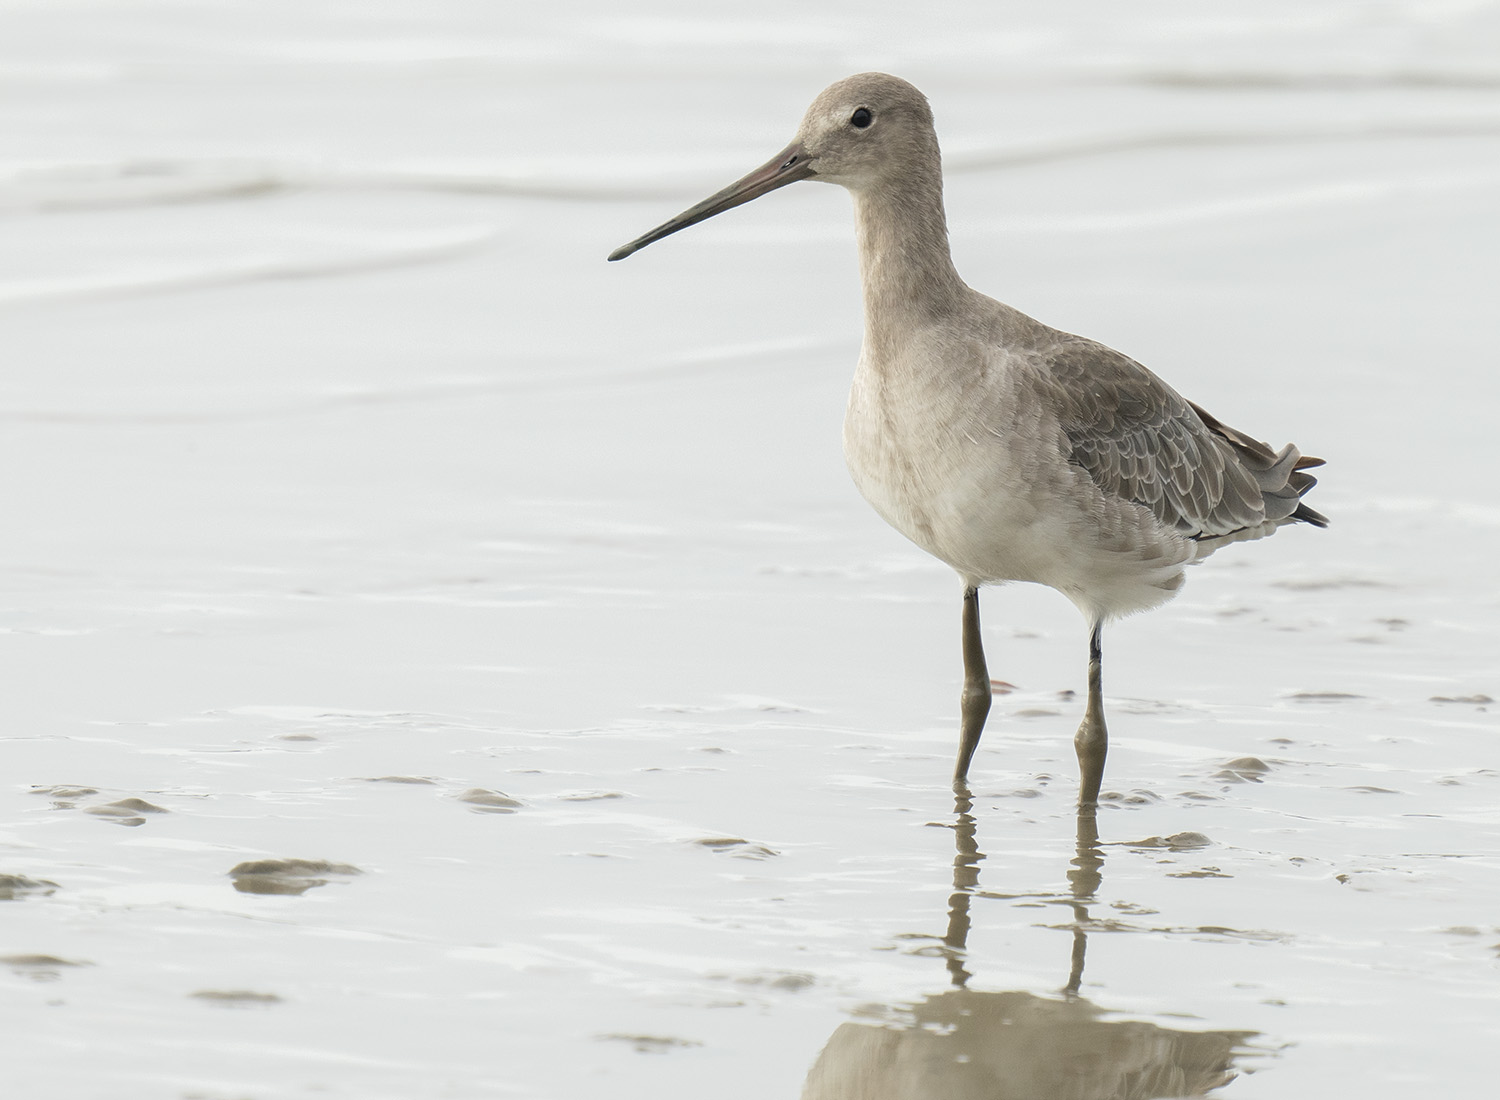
(1092,739)
(974,704)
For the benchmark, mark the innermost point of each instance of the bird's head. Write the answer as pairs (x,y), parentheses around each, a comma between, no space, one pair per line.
(856,133)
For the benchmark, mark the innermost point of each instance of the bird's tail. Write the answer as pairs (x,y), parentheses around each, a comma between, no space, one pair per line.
(1281,475)
(1302,483)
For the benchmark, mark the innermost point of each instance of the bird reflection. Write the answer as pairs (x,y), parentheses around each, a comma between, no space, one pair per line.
(965,1044)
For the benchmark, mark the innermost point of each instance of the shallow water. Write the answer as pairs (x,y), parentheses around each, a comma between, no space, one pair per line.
(360,514)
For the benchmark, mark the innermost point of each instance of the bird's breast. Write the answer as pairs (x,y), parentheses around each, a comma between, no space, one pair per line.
(972,472)
(935,461)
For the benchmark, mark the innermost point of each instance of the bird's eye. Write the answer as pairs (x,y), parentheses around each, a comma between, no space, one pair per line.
(861,118)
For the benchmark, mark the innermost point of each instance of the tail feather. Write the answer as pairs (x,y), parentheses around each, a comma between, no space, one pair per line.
(1279,474)
(1309,515)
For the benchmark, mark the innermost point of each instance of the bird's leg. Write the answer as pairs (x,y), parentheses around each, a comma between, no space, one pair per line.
(974,704)
(1092,739)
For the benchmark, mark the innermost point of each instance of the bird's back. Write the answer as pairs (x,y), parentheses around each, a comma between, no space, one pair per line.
(1015,451)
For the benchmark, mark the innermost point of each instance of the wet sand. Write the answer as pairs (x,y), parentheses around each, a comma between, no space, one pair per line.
(440,663)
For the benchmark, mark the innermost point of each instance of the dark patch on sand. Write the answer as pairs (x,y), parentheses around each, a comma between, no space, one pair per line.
(65,791)
(287,876)
(126,811)
(787,980)
(1177,842)
(490,802)
(14,887)
(1243,769)
(236,998)
(40,968)
(651,1044)
(737,846)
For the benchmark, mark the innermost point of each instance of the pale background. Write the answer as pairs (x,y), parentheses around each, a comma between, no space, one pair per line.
(335,452)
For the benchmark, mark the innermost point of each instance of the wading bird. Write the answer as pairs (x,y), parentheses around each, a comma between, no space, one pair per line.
(1008,449)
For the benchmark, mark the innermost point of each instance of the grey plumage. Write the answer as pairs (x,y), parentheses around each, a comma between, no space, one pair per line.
(1141,441)
(1008,449)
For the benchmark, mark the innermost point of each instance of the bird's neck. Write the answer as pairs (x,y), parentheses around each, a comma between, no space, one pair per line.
(908,274)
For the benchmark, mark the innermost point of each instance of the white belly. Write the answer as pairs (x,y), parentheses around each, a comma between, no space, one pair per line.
(992,495)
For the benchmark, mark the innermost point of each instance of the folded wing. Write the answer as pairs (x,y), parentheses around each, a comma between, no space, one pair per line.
(1141,441)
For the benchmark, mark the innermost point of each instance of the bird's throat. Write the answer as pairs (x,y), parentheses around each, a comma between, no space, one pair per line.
(905,266)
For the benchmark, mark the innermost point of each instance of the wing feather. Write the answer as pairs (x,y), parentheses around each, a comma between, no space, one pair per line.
(1141,441)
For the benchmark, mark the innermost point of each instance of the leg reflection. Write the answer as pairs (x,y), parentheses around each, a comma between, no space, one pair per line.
(964,1043)
(965,880)
(1085,875)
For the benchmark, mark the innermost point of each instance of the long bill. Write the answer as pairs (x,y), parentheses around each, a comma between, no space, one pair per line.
(788,166)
